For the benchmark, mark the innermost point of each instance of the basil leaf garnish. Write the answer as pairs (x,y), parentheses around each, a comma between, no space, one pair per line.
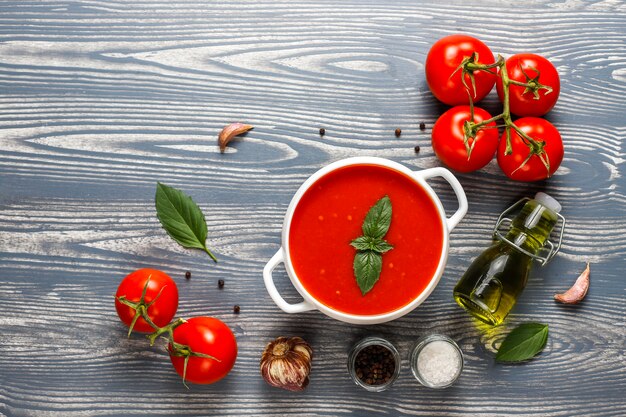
(369,243)
(378,219)
(367,267)
(368,260)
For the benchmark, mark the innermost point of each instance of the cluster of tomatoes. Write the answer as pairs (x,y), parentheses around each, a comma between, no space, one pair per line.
(203,350)
(461,70)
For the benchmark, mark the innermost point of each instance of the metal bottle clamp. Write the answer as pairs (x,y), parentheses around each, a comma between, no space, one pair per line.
(547,252)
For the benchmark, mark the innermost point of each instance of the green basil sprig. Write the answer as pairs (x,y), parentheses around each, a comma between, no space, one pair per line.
(368,261)
(523,343)
(181,218)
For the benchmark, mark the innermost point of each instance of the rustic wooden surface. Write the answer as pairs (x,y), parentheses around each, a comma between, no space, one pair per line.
(101,99)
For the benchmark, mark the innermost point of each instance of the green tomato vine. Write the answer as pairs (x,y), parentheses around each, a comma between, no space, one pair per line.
(470,129)
(174,348)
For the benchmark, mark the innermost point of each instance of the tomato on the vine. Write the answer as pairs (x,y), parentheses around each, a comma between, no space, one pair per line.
(204,336)
(443,74)
(160,311)
(538,72)
(448,143)
(534,169)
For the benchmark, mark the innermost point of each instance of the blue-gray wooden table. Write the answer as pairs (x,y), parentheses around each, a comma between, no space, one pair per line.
(101,99)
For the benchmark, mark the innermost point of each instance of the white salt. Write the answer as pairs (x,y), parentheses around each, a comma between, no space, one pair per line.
(438,363)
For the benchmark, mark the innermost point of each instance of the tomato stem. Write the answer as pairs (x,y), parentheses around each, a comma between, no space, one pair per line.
(484,123)
(184,351)
(535,147)
(140,307)
(166,329)
(521,84)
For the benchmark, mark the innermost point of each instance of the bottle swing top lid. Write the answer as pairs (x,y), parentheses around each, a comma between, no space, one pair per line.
(545,200)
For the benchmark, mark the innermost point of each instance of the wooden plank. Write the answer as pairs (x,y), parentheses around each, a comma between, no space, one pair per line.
(101,99)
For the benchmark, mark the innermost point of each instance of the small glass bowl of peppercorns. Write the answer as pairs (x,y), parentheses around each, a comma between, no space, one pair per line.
(374,364)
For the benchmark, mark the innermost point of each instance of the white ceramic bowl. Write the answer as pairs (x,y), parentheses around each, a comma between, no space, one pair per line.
(310,303)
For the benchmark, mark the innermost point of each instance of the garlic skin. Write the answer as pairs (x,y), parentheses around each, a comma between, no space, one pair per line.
(578,291)
(286,363)
(229,132)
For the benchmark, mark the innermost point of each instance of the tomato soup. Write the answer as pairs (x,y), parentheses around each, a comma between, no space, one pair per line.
(329,216)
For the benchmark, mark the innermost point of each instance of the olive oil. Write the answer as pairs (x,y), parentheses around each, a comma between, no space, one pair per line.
(493,282)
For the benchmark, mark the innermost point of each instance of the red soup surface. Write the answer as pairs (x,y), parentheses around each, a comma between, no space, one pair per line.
(329,216)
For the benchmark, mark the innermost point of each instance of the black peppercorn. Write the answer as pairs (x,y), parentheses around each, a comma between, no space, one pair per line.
(187,274)
(374,365)
(236,309)
(398,132)
(422,126)
(220,283)
(322,131)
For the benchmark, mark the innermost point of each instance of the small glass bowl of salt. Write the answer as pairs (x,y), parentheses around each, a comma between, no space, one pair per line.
(436,361)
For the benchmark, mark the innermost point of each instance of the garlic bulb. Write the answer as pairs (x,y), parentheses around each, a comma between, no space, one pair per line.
(286,363)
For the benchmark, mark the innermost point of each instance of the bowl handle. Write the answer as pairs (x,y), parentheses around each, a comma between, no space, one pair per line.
(271,288)
(456,187)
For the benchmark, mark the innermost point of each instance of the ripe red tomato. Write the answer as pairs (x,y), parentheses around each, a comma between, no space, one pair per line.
(524,103)
(444,59)
(447,139)
(209,336)
(163,309)
(534,170)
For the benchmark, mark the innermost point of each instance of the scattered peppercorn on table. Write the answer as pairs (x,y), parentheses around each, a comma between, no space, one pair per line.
(103,100)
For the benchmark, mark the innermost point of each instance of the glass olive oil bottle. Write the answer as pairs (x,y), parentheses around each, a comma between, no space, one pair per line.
(496,278)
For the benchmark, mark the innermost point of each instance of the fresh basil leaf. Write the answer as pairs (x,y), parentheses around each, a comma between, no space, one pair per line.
(181,218)
(381,246)
(368,243)
(367,267)
(368,261)
(523,343)
(362,243)
(378,219)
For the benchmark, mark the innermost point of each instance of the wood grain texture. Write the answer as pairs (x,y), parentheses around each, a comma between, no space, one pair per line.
(101,99)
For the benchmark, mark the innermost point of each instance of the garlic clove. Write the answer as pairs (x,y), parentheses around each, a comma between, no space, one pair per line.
(229,132)
(286,363)
(578,291)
